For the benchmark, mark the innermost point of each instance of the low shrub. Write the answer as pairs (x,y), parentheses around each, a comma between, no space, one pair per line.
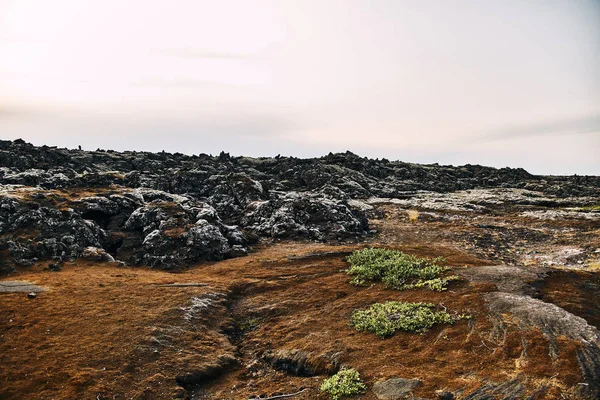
(397,270)
(346,382)
(384,319)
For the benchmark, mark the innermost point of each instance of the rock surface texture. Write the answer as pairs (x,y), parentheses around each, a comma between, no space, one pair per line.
(171,210)
(395,388)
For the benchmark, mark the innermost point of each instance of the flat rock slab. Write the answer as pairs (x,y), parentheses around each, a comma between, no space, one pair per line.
(19,287)
(507,278)
(555,322)
(395,388)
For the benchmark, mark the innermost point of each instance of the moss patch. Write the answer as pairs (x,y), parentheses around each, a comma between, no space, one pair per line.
(384,319)
(397,270)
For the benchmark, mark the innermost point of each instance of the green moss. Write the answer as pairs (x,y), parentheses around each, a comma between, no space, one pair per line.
(591,208)
(384,319)
(346,382)
(397,270)
(437,284)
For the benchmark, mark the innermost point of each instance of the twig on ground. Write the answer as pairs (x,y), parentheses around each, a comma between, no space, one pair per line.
(486,346)
(279,396)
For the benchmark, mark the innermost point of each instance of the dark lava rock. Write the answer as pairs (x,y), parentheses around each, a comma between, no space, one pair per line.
(54,267)
(444,395)
(250,179)
(51,233)
(171,210)
(293,214)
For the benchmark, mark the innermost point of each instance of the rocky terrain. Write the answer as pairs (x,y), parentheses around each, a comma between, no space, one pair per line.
(170,210)
(157,275)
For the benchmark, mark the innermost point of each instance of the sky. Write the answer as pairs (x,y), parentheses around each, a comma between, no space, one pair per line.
(500,83)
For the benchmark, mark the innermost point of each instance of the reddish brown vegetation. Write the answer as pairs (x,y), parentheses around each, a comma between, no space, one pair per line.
(104,332)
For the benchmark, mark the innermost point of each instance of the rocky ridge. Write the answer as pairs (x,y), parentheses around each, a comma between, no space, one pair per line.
(171,210)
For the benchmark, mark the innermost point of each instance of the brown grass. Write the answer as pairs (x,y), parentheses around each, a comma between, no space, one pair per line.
(103,332)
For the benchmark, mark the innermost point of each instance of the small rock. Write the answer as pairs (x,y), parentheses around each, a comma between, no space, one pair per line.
(32,295)
(237,251)
(96,254)
(54,267)
(395,388)
(444,395)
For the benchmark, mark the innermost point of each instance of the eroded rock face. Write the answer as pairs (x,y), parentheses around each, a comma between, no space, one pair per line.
(206,371)
(302,363)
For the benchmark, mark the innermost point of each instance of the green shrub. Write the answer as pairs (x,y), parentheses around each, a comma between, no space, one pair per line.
(397,270)
(346,382)
(384,319)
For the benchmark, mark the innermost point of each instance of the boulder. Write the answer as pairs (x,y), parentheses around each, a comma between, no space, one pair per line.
(96,254)
(395,388)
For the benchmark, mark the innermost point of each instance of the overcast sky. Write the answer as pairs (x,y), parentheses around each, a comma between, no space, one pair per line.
(500,83)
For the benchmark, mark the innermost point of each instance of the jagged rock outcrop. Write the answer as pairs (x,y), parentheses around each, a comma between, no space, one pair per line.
(249,179)
(31,231)
(293,214)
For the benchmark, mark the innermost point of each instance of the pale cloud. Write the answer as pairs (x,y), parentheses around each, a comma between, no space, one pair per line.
(437,81)
(192,53)
(589,124)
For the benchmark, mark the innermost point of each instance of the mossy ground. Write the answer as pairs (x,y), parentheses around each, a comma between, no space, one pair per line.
(384,319)
(397,270)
